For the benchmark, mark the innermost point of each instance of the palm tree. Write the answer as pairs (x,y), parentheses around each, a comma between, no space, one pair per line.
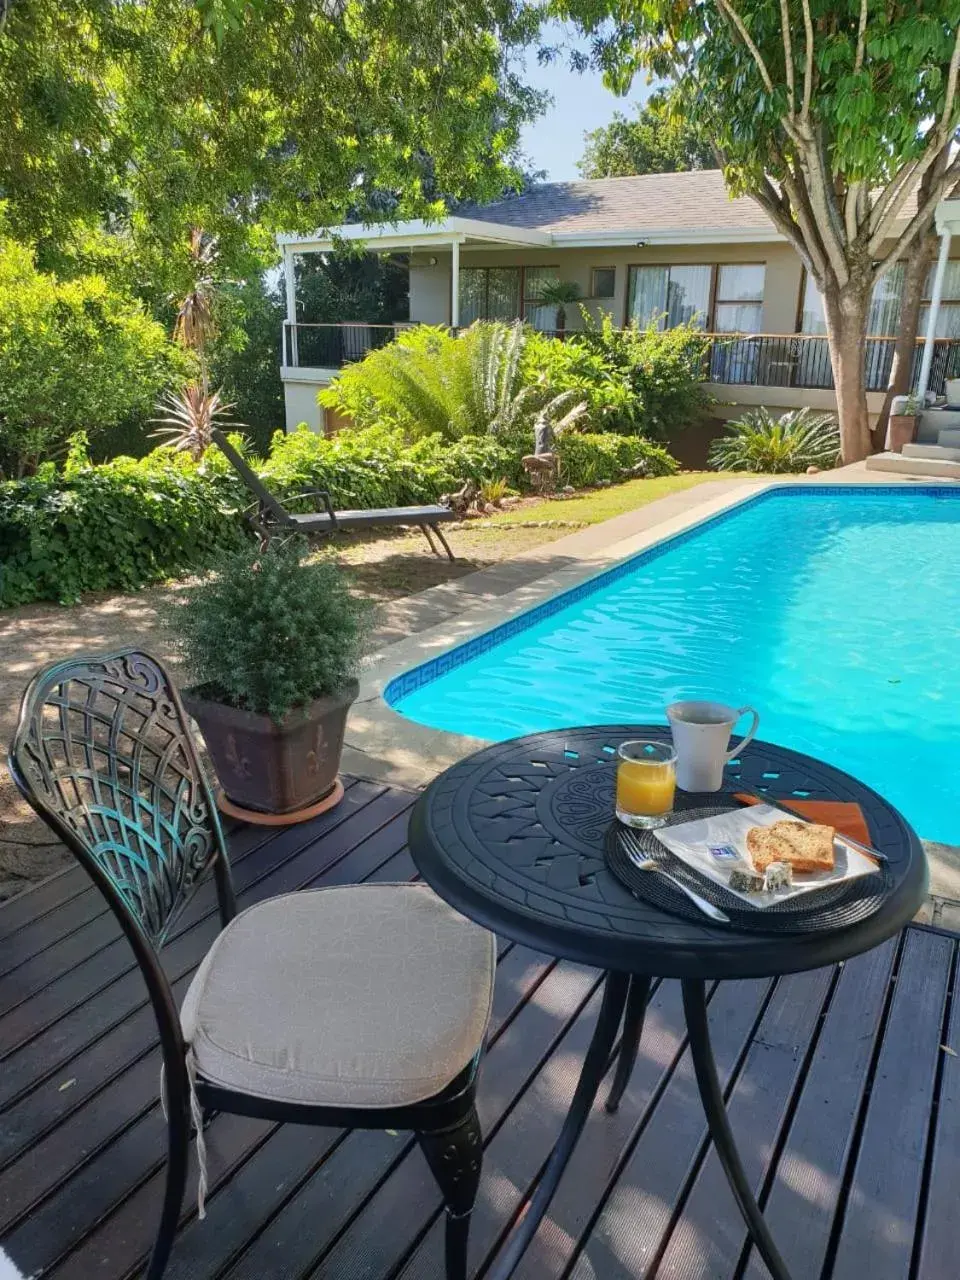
(559,293)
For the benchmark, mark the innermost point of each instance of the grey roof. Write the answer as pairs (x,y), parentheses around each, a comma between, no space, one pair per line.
(651,201)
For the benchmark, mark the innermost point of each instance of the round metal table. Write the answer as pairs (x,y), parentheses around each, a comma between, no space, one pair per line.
(513,838)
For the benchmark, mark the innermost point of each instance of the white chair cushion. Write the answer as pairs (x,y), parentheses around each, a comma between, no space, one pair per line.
(371,995)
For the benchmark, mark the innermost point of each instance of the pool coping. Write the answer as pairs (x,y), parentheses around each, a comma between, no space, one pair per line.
(384,745)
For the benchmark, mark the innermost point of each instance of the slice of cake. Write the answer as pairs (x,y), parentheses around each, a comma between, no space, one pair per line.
(803,846)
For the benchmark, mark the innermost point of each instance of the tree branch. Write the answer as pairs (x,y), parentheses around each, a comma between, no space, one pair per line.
(728,10)
(922,217)
(947,123)
(861,39)
(808,60)
(788,53)
(884,226)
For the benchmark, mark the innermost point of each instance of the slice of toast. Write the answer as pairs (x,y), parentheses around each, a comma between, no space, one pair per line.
(805,846)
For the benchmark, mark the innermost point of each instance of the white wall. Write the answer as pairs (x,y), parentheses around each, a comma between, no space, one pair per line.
(300,387)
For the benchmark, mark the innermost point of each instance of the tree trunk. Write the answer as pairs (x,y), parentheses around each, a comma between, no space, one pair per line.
(846,316)
(915,273)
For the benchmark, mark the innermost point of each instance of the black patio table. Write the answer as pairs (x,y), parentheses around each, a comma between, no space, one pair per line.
(513,837)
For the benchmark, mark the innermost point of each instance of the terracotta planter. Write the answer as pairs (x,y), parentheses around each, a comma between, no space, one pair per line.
(901,429)
(275,766)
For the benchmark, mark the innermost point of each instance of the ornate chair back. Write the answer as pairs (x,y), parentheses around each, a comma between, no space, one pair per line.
(104,754)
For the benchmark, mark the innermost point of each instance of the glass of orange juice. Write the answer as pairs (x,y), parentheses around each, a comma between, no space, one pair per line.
(646,781)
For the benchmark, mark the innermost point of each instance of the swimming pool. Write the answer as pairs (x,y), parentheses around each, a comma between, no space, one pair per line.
(833,610)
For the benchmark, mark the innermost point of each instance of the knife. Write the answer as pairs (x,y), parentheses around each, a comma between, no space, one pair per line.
(746,799)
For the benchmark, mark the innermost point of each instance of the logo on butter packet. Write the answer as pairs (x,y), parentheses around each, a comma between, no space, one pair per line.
(724,852)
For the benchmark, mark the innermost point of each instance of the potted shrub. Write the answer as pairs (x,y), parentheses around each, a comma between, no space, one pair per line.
(273,642)
(902,423)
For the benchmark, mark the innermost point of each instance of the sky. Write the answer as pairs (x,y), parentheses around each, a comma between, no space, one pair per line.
(581,103)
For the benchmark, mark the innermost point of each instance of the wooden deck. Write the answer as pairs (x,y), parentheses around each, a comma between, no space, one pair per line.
(844,1101)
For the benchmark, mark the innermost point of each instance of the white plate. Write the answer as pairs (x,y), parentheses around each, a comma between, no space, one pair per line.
(716,846)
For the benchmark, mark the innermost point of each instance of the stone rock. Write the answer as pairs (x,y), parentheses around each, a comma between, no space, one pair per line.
(813,471)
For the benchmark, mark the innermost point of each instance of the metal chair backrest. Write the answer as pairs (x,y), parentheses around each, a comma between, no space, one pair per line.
(250,478)
(103,752)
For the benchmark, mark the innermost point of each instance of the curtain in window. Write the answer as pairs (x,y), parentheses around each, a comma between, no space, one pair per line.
(882,318)
(948,318)
(739,306)
(688,296)
(473,294)
(647,294)
(503,293)
(534,280)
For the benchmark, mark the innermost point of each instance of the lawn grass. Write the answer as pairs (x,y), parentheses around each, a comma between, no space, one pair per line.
(603,504)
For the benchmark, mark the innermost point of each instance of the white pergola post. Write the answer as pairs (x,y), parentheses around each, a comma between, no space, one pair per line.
(948,225)
(455,285)
(290,285)
(935,296)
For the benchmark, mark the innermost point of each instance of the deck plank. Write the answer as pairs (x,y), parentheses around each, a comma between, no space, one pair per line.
(628,1235)
(113,968)
(803,1197)
(51,943)
(939,1245)
(839,1093)
(707,1239)
(880,1218)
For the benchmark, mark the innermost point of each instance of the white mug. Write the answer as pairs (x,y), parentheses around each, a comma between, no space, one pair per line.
(701,737)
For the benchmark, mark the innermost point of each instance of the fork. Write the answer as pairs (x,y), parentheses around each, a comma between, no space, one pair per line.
(639,859)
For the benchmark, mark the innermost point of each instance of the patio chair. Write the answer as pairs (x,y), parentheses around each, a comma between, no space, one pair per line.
(269,517)
(360,1006)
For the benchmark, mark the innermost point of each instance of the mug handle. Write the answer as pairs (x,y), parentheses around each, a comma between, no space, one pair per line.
(749,737)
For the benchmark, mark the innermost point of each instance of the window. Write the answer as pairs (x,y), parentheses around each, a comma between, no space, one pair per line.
(739,302)
(534,278)
(506,293)
(883,318)
(603,282)
(489,293)
(884,315)
(948,317)
(669,296)
(682,295)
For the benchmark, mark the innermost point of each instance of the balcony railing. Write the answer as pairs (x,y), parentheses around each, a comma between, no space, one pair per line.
(794,360)
(331,346)
(803,361)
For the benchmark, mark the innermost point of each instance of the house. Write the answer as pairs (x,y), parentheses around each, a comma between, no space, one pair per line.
(667,247)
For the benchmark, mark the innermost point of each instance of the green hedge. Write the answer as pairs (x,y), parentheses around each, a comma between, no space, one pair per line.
(129,522)
(112,527)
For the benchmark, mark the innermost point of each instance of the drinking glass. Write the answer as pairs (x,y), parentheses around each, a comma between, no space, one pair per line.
(646,781)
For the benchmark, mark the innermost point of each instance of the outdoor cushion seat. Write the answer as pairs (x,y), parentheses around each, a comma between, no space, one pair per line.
(370,995)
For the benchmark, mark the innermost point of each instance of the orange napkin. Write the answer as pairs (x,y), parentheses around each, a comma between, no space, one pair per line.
(846,817)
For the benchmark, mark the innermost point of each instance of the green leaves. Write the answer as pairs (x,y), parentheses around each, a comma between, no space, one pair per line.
(74,355)
(791,443)
(269,631)
(250,116)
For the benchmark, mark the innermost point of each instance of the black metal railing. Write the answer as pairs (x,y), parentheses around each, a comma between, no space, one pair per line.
(803,361)
(748,360)
(331,346)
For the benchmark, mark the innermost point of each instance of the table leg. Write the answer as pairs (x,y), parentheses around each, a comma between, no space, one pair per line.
(591,1076)
(630,1041)
(708,1082)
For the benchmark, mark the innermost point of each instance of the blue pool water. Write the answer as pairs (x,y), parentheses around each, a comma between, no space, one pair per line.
(834,611)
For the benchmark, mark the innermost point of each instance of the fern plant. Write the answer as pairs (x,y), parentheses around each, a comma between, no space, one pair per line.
(792,442)
(431,383)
